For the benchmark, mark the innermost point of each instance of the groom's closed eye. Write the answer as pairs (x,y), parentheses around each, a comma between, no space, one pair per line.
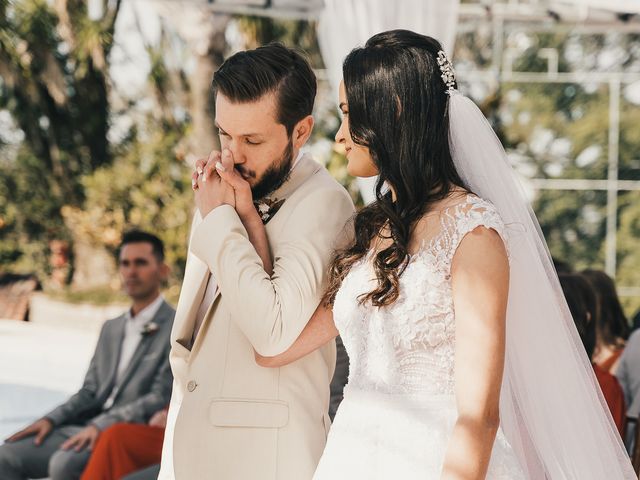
(249,140)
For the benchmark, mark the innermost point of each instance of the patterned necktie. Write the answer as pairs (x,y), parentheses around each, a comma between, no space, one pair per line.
(267,208)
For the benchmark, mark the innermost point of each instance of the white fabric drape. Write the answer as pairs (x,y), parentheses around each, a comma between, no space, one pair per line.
(618,6)
(346,24)
(551,407)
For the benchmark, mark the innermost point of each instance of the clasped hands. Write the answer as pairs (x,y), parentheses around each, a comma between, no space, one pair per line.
(216,182)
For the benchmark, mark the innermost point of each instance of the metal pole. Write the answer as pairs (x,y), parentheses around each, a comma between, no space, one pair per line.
(612,176)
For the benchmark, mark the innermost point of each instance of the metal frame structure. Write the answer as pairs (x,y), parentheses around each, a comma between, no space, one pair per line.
(531,17)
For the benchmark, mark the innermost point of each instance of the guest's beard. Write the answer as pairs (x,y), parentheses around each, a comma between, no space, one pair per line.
(275,176)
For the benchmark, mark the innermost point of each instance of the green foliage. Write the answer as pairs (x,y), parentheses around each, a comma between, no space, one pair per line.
(298,34)
(145,187)
(53,71)
(628,247)
(29,215)
(94,296)
(552,126)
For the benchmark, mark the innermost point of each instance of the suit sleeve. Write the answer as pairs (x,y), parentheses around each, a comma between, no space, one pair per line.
(139,410)
(272,311)
(85,399)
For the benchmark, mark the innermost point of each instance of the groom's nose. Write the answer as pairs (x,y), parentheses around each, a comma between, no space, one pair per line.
(236,154)
(238,159)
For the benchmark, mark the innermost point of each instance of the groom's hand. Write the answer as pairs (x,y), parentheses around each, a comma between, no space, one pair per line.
(210,190)
(242,189)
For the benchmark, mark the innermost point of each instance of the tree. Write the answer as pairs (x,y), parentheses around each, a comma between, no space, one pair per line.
(54,71)
(146,187)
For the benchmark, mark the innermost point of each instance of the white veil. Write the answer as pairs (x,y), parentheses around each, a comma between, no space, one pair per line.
(552,409)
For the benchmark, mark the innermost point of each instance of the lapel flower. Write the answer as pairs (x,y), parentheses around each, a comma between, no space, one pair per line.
(267,208)
(149,329)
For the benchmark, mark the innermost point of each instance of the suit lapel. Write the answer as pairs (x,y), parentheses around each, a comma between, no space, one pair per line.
(193,287)
(205,323)
(300,174)
(141,349)
(113,354)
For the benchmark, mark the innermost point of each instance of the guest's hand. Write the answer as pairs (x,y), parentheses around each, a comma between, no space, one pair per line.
(210,190)
(85,438)
(242,189)
(40,428)
(159,419)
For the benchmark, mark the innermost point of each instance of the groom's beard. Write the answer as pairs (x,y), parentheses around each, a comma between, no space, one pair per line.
(275,176)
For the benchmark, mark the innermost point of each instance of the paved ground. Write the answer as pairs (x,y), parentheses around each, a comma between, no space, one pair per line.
(40,366)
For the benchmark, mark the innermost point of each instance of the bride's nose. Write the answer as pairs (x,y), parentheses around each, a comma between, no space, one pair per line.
(340,136)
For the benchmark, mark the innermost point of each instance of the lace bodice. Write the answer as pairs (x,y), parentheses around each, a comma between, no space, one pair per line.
(408,347)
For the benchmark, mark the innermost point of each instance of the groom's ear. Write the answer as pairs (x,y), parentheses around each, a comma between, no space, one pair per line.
(302,131)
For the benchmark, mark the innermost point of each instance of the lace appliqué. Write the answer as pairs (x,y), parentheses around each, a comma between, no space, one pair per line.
(408,347)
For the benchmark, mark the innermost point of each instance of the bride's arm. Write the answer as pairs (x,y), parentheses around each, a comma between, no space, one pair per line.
(319,330)
(480,287)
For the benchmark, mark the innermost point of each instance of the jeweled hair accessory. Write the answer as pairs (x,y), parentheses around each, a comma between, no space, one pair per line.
(448,75)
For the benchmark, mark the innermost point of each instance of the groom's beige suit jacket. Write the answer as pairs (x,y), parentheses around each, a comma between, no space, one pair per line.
(230,419)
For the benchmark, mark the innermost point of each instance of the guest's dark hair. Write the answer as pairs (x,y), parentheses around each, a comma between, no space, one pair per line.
(139,236)
(561,266)
(273,68)
(397,104)
(581,298)
(611,322)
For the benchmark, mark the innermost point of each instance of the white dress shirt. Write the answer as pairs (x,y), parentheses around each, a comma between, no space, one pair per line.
(212,286)
(133,328)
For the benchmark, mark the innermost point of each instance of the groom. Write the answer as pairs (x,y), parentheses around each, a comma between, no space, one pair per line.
(230,418)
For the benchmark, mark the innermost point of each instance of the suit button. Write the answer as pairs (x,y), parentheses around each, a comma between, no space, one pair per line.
(191,386)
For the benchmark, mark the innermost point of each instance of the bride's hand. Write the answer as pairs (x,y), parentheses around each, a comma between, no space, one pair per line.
(244,198)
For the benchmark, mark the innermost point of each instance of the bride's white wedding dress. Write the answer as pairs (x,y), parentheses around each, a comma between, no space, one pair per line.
(399,406)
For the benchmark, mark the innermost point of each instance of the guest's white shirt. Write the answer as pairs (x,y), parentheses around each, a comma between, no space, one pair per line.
(212,286)
(133,328)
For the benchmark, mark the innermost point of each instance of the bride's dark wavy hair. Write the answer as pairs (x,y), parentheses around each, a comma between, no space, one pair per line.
(397,106)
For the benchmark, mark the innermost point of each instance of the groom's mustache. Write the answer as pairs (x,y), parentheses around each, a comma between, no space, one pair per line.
(245,173)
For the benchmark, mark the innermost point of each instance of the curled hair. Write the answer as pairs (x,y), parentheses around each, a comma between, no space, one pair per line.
(397,109)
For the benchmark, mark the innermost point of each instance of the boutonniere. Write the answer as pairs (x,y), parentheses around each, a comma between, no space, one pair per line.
(267,208)
(150,328)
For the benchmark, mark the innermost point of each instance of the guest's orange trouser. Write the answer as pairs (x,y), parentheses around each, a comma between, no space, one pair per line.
(122,449)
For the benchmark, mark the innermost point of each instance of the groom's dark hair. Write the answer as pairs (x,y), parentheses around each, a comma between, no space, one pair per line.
(246,76)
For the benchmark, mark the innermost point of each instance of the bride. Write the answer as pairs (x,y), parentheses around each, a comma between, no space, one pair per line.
(464,361)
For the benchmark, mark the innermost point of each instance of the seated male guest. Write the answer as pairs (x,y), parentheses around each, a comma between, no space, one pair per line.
(128,380)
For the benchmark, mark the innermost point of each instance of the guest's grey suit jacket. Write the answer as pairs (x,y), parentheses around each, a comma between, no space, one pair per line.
(145,386)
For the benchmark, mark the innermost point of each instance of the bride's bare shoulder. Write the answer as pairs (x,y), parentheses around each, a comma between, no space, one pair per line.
(430,224)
